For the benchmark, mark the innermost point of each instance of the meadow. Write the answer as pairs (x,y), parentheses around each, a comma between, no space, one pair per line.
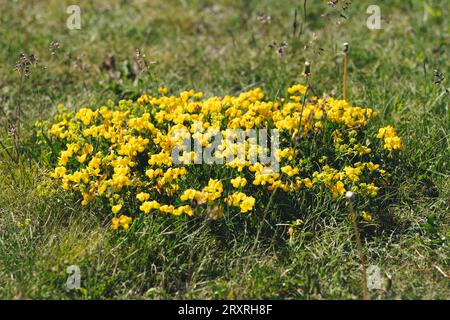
(127,49)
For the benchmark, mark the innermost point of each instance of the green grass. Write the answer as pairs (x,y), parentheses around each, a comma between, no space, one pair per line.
(221,48)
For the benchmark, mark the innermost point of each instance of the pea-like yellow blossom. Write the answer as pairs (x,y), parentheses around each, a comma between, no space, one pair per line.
(123,221)
(116,208)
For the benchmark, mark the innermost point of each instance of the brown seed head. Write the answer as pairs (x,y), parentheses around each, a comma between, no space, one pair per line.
(345,47)
(307,68)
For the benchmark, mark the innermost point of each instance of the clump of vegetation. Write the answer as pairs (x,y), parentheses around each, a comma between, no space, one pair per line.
(123,155)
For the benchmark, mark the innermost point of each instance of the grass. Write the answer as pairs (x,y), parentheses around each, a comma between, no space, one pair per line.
(221,48)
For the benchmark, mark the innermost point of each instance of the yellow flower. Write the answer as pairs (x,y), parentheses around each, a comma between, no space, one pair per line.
(163,90)
(391,140)
(115,223)
(247,204)
(239,199)
(239,182)
(393,143)
(59,172)
(123,221)
(147,206)
(371,166)
(189,194)
(167,208)
(235,198)
(116,208)
(142,196)
(352,173)
(298,88)
(213,190)
(308,183)
(82,158)
(338,189)
(183,209)
(367,216)
(289,170)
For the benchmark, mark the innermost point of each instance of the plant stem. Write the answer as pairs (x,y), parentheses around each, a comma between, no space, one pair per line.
(362,260)
(304,18)
(345,75)
(16,137)
(266,210)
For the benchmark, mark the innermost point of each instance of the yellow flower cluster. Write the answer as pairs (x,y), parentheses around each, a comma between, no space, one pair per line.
(241,200)
(123,153)
(391,140)
(123,221)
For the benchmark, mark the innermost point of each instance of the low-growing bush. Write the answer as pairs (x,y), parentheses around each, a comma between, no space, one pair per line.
(122,156)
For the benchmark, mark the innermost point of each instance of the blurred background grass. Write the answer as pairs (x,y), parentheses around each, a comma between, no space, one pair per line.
(220,48)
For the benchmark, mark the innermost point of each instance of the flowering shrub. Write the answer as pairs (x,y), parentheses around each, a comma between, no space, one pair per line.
(123,154)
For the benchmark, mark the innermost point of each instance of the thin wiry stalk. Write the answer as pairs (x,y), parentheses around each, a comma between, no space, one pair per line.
(304,99)
(307,74)
(295,24)
(345,77)
(7,151)
(345,70)
(16,136)
(362,260)
(304,17)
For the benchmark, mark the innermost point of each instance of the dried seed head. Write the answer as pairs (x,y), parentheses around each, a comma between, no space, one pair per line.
(54,46)
(80,64)
(12,130)
(345,47)
(333,3)
(140,59)
(439,77)
(350,195)
(33,59)
(280,48)
(307,68)
(264,19)
(24,63)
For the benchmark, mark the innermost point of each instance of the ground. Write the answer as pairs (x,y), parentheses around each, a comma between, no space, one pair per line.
(220,48)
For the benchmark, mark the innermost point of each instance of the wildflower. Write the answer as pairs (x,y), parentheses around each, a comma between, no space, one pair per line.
(59,172)
(123,221)
(213,190)
(167,208)
(116,208)
(82,158)
(308,183)
(298,88)
(115,223)
(289,170)
(142,196)
(163,90)
(391,140)
(247,204)
(338,189)
(189,194)
(148,206)
(367,216)
(239,182)
(371,166)
(183,209)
